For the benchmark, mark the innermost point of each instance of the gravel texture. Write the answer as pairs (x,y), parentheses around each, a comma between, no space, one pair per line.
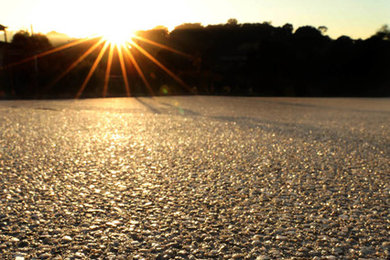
(195,178)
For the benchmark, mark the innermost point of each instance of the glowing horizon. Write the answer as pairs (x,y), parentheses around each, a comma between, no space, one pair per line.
(126,59)
(355,18)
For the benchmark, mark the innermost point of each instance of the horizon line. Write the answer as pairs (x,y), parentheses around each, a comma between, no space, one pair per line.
(12,31)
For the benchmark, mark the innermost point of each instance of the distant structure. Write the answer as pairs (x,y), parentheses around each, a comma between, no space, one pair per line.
(3,28)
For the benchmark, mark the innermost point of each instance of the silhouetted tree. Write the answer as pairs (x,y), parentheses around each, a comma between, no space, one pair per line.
(307,33)
(323,29)
(21,39)
(232,22)
(289,28)
(383,33)
(223,59)
(24,40)
(186,26)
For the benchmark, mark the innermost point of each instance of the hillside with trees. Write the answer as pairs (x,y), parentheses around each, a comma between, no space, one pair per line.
(227,59)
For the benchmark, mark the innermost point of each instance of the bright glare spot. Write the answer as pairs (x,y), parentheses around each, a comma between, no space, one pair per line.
(164,89)
(116,21)
(93,17)
(117,37)
(116,137)
(115,32)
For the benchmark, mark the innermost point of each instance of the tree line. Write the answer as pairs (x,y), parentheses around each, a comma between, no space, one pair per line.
(227,59)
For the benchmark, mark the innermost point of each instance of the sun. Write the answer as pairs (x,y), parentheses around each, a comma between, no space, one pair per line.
(111,36)
(118,38)
(101,17)
(116,30)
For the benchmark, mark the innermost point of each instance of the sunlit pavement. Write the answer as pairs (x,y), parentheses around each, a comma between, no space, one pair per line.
(195,177)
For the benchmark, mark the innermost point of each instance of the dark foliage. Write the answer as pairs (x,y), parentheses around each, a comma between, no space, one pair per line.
(226,59)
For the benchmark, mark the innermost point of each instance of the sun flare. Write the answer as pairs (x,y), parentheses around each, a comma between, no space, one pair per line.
(118,38)
(101,17)
(111,43)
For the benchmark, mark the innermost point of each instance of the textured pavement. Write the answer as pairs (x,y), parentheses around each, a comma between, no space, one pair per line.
(195,178)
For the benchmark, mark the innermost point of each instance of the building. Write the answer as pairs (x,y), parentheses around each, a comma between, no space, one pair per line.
(4,29)
(3,50)
(3,45)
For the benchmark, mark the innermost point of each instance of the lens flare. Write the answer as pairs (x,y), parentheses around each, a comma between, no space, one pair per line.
(117,38)
(124,46)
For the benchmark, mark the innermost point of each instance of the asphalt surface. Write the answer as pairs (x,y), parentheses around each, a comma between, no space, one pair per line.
(195,178)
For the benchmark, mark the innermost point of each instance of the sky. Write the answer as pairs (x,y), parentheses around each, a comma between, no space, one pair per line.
(79,18)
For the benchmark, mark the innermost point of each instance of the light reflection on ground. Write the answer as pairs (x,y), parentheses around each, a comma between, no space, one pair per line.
(230,177)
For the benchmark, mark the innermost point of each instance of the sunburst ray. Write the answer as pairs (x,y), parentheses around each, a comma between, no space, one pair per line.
(92,70)
(162,46)
(108,70)
(43,54)
(126,58)
(75,63)
(138,69)
(124,71)
(159,64)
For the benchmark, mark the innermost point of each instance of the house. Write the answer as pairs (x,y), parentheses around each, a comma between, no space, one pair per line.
(3,28)
(3,45)
(3,49)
